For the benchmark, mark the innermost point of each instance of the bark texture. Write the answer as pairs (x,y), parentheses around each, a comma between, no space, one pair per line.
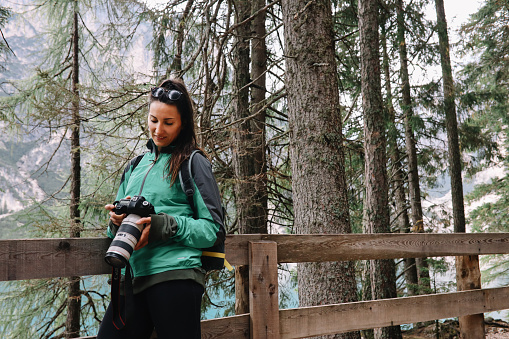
(383,272)
(316,147)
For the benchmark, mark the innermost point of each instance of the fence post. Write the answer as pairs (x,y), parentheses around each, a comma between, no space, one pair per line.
(241,289)
(263,290)
(468,277)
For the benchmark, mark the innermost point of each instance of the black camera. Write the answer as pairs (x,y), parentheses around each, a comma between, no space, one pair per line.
(136,205)
(129,232)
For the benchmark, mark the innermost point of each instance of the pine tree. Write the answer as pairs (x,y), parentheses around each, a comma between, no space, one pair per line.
(316,147)
(383,272)
(411,149)
(472,325)
(483,91)
(397,171)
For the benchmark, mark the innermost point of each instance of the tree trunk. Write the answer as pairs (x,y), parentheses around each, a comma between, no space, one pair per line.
(316,148)
(249,150)
(242,10)
(74,297)
(410,269)
(258,211)
(383,272)
(176,65)
(249,132)
(470,326)
(413,171)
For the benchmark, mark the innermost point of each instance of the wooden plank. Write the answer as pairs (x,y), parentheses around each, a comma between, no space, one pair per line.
(60,257)
(226,328)
(236,248)
(330,319)
(46,258)
(320,248)
(338,247)
(263,290)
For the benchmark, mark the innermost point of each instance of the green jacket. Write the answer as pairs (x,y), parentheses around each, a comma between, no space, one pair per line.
(175,237)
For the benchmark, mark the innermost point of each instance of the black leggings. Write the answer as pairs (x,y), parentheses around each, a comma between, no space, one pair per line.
(171,307)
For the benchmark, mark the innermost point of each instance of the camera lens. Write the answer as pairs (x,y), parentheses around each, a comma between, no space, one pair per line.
(125,240)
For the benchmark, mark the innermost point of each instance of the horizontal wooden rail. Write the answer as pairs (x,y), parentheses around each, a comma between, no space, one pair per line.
(46,258)
(226,328)
(340,247)
(340,318)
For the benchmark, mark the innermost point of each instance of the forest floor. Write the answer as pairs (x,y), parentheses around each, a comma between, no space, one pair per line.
(449,329)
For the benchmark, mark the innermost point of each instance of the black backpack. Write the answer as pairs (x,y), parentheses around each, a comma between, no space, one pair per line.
(213,258)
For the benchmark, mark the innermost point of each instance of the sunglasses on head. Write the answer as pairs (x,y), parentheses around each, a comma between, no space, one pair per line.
(166,94)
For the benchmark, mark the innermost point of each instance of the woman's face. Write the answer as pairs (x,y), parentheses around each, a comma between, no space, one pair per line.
(164,123)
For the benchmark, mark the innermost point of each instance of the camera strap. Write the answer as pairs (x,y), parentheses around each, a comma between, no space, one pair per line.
(121,315)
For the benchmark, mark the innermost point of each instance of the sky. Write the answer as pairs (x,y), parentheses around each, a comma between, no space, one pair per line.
(457,13)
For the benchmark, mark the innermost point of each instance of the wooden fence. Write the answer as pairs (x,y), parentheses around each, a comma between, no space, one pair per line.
(45,258)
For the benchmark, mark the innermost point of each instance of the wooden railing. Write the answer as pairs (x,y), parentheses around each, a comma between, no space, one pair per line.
(45,258)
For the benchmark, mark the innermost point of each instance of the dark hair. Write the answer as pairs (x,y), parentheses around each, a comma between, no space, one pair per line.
(186,142)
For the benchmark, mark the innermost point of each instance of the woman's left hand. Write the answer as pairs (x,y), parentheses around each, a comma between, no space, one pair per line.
(144,234)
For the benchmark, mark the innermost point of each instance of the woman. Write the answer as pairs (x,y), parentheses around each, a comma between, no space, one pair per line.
(168,279)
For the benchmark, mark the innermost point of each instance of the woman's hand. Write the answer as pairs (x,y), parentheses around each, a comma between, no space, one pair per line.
(115,218)
(144,234)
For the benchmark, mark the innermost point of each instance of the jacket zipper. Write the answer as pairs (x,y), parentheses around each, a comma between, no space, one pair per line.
(146,174)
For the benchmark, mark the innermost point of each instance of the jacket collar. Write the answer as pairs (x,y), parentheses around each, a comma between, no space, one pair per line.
(153,148)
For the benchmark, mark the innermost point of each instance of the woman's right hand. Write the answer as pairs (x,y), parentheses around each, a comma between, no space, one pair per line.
(115,218)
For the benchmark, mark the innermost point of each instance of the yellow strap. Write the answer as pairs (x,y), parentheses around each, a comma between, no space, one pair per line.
(218,255)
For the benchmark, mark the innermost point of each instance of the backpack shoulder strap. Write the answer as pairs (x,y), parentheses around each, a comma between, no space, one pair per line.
(135,161)
(213,257)
(186,179)
(132,165)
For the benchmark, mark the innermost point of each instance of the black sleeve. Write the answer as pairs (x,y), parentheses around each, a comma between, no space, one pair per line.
(201,171)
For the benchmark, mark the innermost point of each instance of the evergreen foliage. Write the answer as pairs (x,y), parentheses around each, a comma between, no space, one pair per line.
(484,93)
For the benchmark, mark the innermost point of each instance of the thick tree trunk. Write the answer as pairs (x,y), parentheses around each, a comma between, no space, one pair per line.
(74,297)
(316,147)
(383,272)
(398,175)
(413,171)
(467,268)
